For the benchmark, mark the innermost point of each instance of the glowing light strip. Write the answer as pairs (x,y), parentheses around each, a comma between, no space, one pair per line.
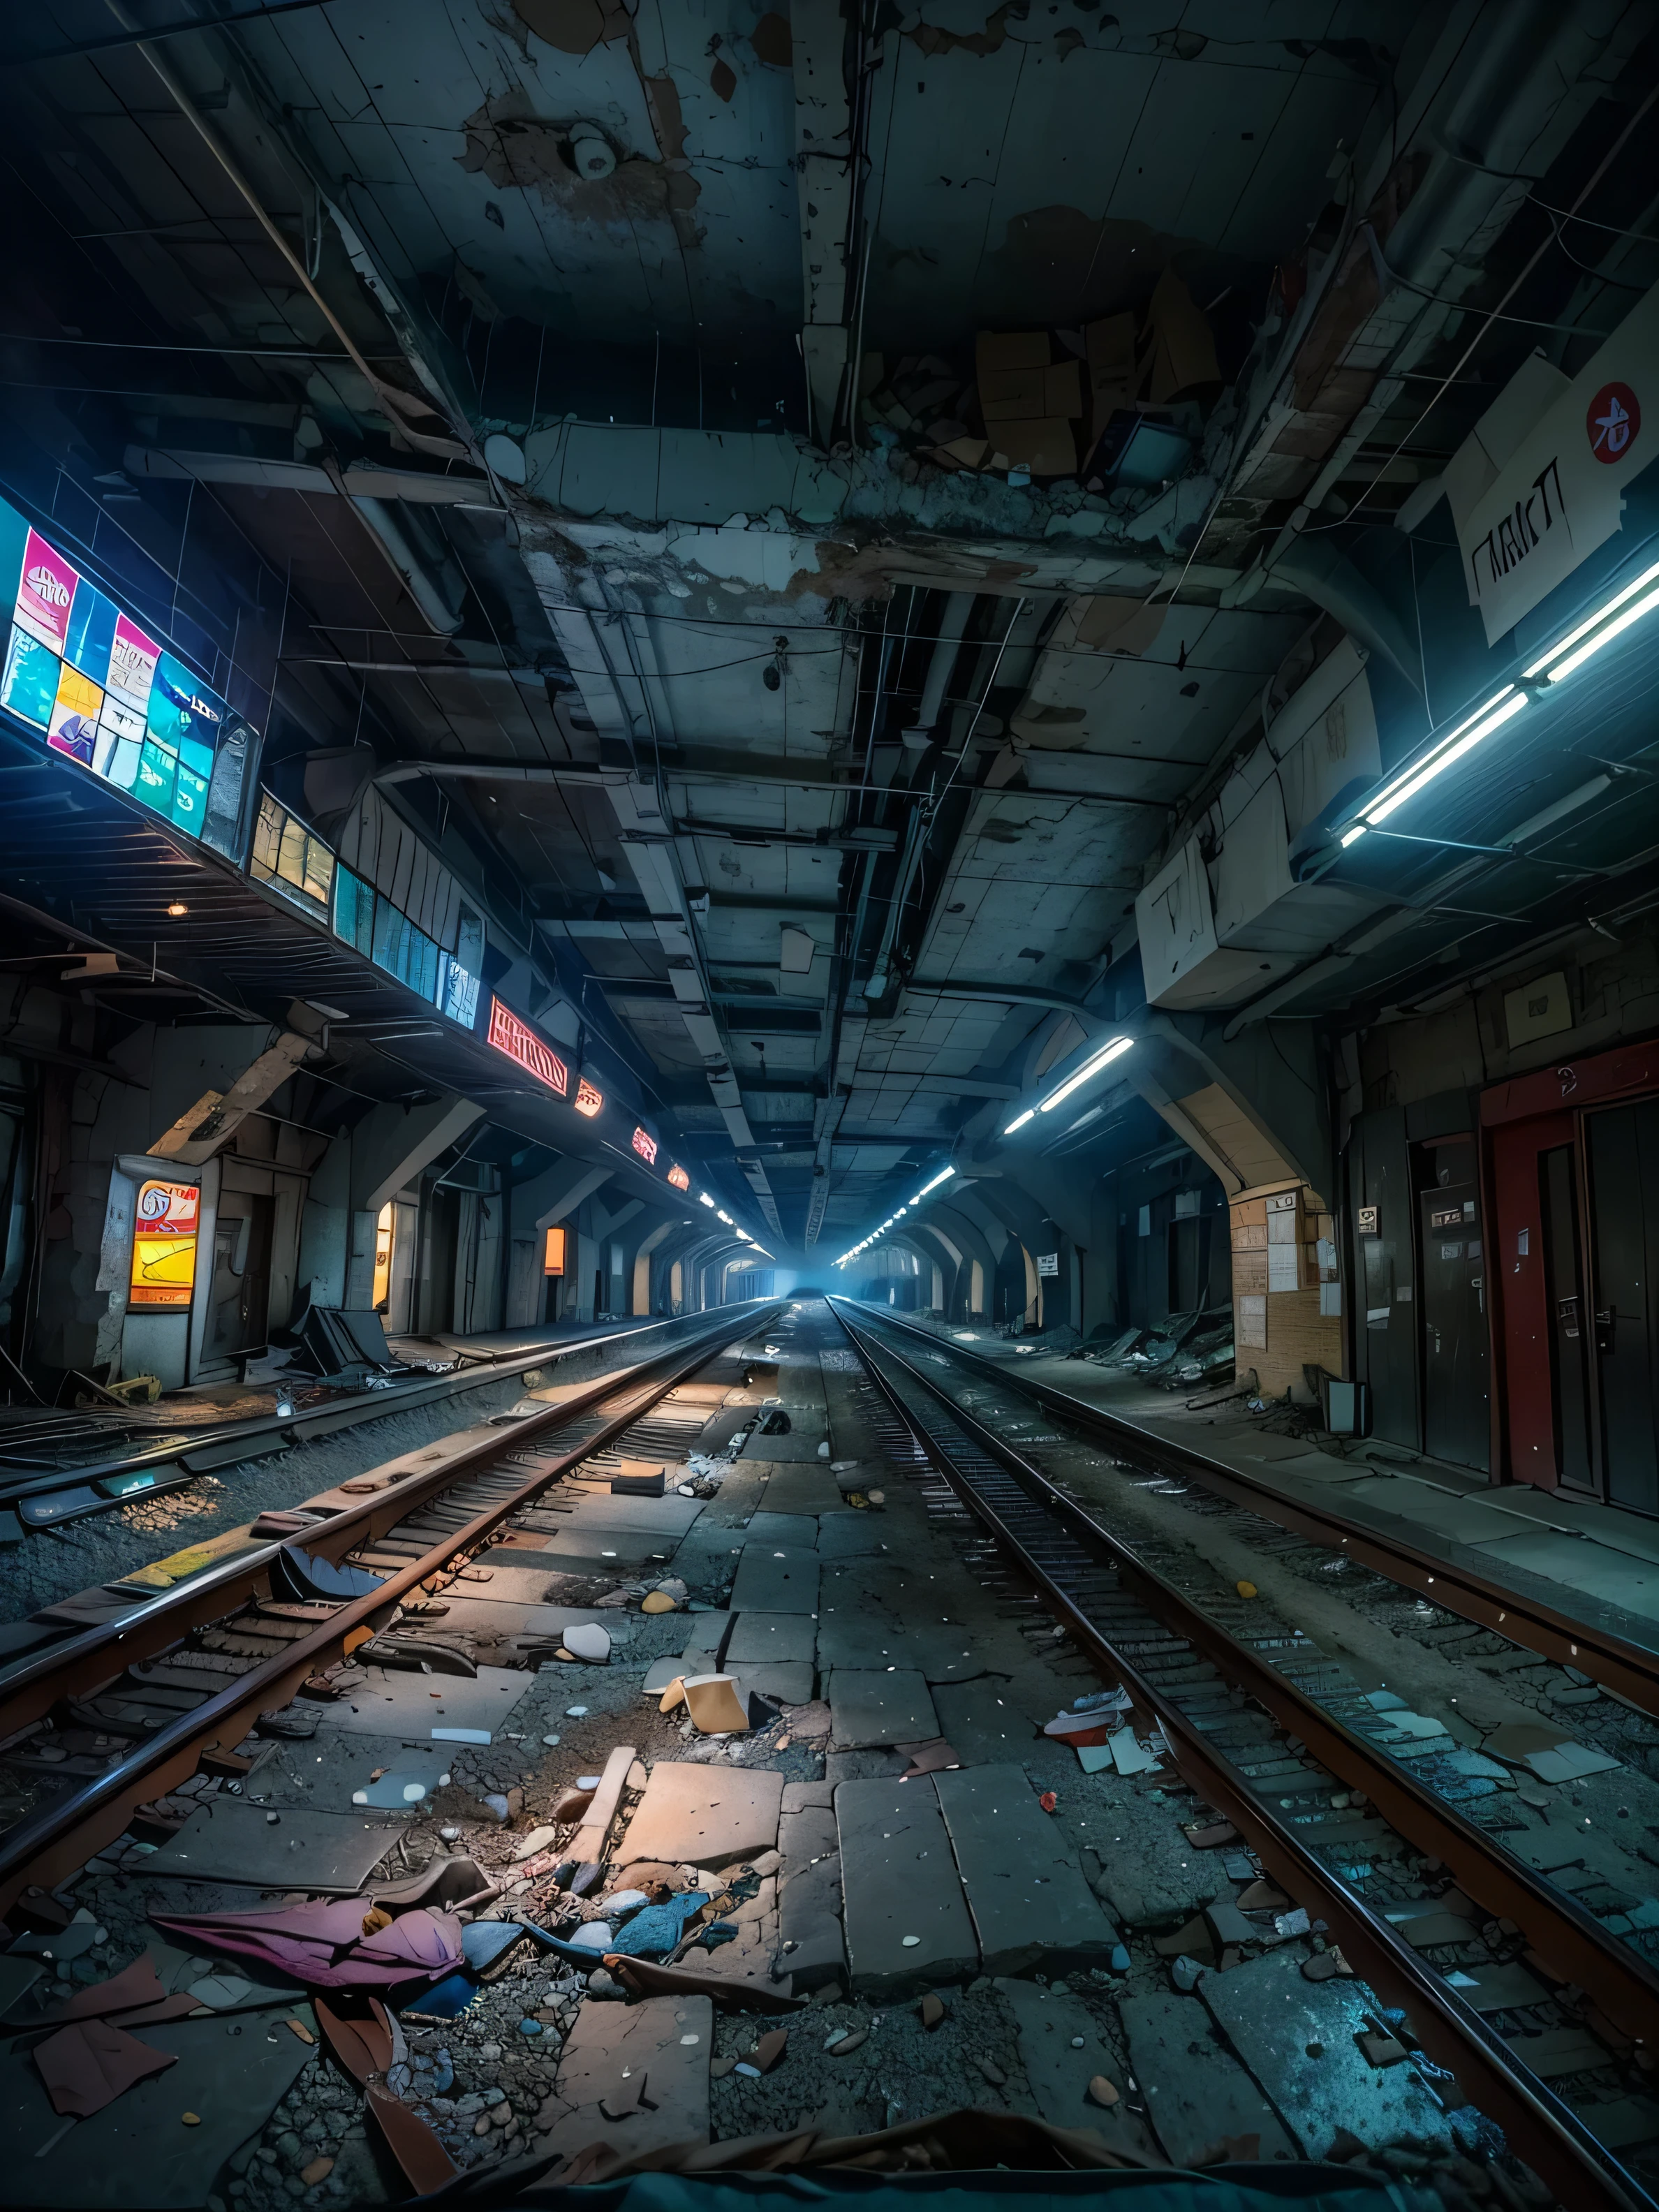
(1565,644)
(1090,1068)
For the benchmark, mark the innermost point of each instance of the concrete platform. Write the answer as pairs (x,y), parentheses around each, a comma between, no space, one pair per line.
(1024,1887)
(899,1880)
(1596,1562)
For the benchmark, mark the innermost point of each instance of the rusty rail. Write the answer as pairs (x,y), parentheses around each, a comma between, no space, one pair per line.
(1543,2128)
(63,1835)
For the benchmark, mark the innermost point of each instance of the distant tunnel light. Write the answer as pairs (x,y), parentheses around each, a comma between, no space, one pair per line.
(1091,1067)
(1019,1121)
(726,1217)
(704,1199)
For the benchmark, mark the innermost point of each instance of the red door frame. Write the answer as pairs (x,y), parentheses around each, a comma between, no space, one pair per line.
(1519,1120)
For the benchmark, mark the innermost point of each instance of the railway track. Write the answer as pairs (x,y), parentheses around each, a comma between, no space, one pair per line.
(97,1726)
(58,1467)
(1627,1669)
(1281,1741)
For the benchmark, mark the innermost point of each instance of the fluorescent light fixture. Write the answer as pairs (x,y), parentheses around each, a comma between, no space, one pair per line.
(944,1177)
(1504,704)
(1634,613)
(726,1217)
(1092,1066)
(1549,660)
(1019,1121)
(704,1199)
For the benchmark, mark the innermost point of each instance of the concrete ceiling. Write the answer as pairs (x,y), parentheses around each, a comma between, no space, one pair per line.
(809,772)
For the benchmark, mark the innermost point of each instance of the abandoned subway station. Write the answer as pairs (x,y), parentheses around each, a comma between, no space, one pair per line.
(830,1104)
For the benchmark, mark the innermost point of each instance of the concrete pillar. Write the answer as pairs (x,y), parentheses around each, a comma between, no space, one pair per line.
(389,1148)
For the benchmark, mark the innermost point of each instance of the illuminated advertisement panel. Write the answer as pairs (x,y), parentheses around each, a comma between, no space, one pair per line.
(110,698)
(553,1253)
(164,1244)
(645,1147)
(588,1101)
(521,1043)
(678,1177)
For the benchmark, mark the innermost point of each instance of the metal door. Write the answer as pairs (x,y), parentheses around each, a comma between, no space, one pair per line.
(1568,1319)
(1622,1165)
(1457,1406)
(241,1275)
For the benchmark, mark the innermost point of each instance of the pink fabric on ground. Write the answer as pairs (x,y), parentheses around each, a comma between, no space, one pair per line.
(323,1945)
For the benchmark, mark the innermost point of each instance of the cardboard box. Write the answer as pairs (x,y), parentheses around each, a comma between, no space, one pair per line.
(995,350)
(1109,347)
(1062,390)
(963,452)
(1013,395)
(1047,446)
(1177,352)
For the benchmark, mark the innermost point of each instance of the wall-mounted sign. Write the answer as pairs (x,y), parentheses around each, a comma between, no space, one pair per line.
(109,697)
(553,1252)
(587,1100)
(164,1244)
(1369,1218)
(1528,508)
(521,1043)
(678,1177)
(645,1145)
(1047,1263)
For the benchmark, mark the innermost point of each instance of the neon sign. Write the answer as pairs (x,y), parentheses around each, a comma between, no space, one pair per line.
(645,1147)
(678,1177)
(521,1043)
(109,697)
(588,1101)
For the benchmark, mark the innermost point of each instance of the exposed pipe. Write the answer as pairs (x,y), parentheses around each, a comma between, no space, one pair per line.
(959,605)
(403,405)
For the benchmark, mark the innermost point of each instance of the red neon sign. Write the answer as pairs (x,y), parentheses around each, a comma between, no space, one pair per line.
(645,1147)
(588,1101)
(678,1177)
(521,1043)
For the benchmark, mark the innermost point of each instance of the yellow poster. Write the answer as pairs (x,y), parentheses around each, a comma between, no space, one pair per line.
(164,1244)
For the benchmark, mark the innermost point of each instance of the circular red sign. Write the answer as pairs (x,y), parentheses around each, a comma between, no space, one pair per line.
(1614,422)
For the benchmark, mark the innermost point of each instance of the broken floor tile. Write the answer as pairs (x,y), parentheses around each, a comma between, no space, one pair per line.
(907,1920)
(763,1636)
(410,1707)
(1271,2015)
(705,1815)
(607,2054)
(805,1489)
(870,1706)
(1024,1887)
(1195,2090)
(230,2072)
(230,1839)
(776,1578)
(1061,2050)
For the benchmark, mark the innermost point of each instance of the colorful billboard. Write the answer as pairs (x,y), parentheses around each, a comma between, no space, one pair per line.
(108,697)
(164,1244)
